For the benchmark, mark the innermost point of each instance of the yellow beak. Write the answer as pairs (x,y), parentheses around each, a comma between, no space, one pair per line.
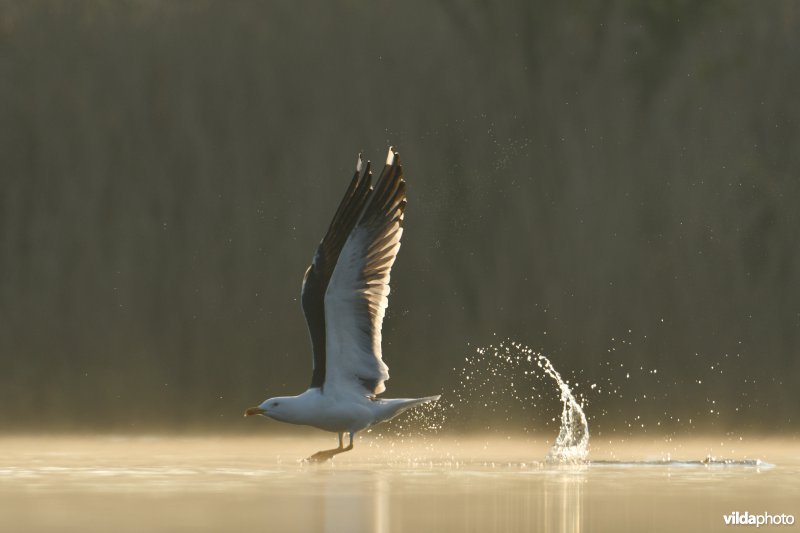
(254,411)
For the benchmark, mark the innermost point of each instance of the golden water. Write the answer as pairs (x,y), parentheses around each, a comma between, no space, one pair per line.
(124,484)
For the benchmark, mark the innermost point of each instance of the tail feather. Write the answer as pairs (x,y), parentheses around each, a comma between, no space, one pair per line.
(388,409)
(429,399)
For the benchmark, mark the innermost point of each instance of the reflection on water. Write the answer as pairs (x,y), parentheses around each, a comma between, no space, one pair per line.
(563,502)
(355,501)
(230,484)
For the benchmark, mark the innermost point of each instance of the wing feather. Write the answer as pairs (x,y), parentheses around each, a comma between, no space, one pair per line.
(358,292)
(318,274)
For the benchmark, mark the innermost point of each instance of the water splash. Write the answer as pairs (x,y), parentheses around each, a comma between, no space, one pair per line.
(490,377)
(572,443)
(522,373)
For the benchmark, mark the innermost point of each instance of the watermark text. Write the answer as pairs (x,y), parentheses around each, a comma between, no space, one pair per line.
(764,519)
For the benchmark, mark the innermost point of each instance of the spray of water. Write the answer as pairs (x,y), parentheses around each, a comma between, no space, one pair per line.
(572,443)
(527,376)
(498,383)
(511,385)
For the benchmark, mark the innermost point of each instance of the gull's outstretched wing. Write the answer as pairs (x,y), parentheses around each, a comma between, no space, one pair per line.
(318,275)
(358,291)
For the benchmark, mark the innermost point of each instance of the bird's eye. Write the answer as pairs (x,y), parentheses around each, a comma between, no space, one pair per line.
(275,404)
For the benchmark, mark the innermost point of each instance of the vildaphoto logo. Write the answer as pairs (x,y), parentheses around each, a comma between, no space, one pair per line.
(764,519)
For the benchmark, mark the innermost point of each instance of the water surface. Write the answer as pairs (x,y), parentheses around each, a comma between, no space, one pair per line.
(450,484)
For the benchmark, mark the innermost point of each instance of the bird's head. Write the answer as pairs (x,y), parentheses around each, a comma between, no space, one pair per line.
(272,408)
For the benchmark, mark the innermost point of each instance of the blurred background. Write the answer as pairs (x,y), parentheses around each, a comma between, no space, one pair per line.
(613,182)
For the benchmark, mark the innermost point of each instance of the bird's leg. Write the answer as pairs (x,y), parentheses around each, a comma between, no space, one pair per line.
(325,455)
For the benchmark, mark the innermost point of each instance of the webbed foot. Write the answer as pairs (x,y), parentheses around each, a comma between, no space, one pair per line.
(327,455)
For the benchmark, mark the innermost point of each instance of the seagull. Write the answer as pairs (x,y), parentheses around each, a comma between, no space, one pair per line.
(344,297)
